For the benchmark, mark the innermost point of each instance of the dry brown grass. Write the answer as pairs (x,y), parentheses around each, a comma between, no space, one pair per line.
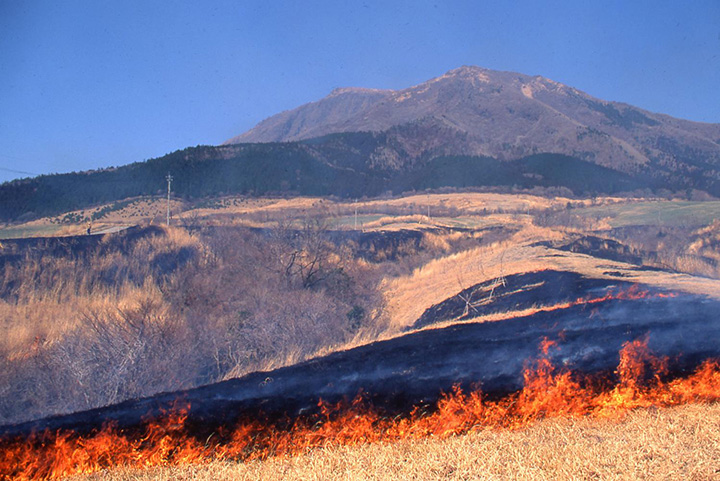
(246,205)
(398,222)
(258,211)
(57,292)
(407,297)
(467,202)
(43,320)
(681,443)
(88,318)
(484,202)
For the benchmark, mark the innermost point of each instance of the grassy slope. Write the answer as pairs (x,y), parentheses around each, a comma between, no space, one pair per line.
(679,443)
(146,210)
(408,296)
(664,213)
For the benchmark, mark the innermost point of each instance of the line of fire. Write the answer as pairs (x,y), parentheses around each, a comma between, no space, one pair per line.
(617,348)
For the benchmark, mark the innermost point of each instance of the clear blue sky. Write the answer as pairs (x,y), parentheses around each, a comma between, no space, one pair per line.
(86,84)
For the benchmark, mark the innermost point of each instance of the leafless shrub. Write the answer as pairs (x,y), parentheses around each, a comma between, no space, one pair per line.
(162,310)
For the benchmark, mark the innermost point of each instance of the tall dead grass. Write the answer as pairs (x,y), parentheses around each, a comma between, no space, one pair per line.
(90,322)
(46,293)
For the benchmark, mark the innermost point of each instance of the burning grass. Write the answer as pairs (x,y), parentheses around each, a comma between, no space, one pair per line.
(46,311)
(675,443)
(640,381)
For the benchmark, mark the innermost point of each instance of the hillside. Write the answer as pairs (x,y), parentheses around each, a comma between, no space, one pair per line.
(252,309)
(334,165)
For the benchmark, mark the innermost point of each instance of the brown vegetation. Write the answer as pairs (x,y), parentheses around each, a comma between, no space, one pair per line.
(94,321)
(212,301)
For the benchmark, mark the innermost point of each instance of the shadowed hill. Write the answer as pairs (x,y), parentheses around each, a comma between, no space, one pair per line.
(335,165)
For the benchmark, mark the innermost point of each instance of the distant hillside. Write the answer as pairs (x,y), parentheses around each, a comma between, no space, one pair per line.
(335,165)
(505,115)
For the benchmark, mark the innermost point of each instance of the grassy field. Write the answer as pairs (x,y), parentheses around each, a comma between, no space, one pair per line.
(243,300)
(466,210)
(20,232)
(681,443)
(669,213)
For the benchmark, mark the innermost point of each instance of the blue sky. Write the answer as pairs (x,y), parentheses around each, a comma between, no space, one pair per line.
(87,84)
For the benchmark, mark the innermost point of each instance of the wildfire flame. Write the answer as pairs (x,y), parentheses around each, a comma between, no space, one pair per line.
(549,391)
(634,292)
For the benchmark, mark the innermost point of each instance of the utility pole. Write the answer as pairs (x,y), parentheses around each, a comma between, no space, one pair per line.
(169,179)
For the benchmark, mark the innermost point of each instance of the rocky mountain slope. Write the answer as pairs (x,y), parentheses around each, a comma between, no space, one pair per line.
(506,115)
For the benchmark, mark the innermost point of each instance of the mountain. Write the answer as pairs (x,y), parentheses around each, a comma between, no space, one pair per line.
(505,115)
(471,127)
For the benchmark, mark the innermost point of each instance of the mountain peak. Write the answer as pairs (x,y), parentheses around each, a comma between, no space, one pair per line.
(466,70)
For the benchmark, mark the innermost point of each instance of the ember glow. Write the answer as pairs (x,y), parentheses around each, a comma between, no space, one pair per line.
(640,380)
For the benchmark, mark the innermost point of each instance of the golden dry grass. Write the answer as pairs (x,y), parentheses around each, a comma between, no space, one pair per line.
(239,209)
(407,297)
(246,205)
(42,320)
(681,443)
(43,316)
(483,202)
(413,208)
(467,202)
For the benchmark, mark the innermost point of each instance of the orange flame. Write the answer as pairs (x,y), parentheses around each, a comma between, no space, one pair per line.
(634,292)
(548,391)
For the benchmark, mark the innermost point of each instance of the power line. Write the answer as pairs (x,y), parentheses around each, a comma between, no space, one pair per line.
(17,171)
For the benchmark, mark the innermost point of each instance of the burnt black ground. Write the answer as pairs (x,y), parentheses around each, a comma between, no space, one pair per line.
(417,367)
(605,249)
(519,291)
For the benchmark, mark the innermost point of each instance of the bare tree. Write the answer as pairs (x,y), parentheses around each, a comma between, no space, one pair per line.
(303,251)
